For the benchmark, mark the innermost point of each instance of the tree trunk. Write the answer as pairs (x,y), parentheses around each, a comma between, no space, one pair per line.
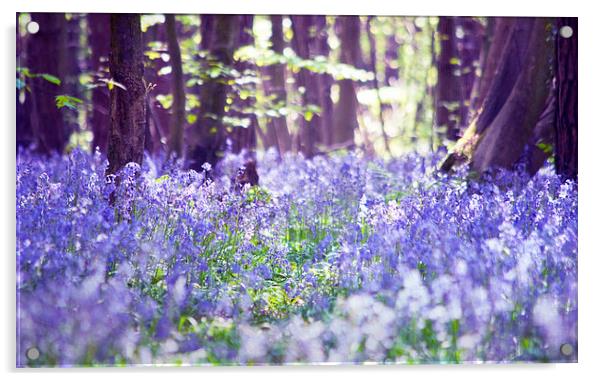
(319,47)
(505,138)
(490,56)
(244,138)
(449,89)
(469,49)
(566,92)
(309,127)
(276,87)
(178,108)
(345,113)
(99,39)
(46,50)
(391,60)
(126,137)
(375,84)
(208,137)
(158,119)
(508,69)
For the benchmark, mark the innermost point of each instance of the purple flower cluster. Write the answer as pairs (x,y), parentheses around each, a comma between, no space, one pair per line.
(335,259)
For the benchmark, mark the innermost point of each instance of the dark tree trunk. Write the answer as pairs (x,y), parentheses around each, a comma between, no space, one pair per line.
(45,52)
(449,89)
(100,43)
(276,87)
(497,33)
(244,138)
(127,110)
(178,108)
(566,93)
(345,114)
(509,132)
(510,65)
(309,129)
(208,137)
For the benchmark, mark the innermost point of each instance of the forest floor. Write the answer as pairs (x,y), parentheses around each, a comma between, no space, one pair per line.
(337,259)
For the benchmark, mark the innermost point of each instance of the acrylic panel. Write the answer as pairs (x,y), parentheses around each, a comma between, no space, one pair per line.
(282,189)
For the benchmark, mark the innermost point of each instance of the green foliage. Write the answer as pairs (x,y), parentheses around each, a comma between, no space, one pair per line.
(67,101)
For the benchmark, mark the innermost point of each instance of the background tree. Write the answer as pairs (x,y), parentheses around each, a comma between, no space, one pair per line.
(304,35)
(100,43)
(178,109)
(128,105)
(243,136)
(275,86)
(565,158)
(449,89)
(345,113)
(207,138)
(46,50)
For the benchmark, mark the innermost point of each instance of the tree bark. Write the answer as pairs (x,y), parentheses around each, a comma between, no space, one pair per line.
(276,86)
(244,138)
(308,81)
(505,138)
(375,84)
(126,137)
(345,113)
(178,108)
(99,39)
(449,89)
(158,119)
(469,49)
(566,92)
(208,137)
(508,69)
(491,56)
(46,50)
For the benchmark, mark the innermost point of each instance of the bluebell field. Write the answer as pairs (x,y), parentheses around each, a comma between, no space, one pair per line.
(335,259)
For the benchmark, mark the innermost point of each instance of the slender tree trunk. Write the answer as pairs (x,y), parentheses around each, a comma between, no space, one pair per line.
(391,60)
(469,49)
(309,81)
(178,108)
(566,94)
(276,86)
(208,137)
(244,138)
(375,84)
(46,51)
(157,117)
(319,47)
(510,130)
(126,137)
(100,43)
(449,89)
(345,114)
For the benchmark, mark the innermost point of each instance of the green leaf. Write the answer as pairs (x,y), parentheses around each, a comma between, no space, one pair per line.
(51,78)
(67,101)
(454,61)
(191,118)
